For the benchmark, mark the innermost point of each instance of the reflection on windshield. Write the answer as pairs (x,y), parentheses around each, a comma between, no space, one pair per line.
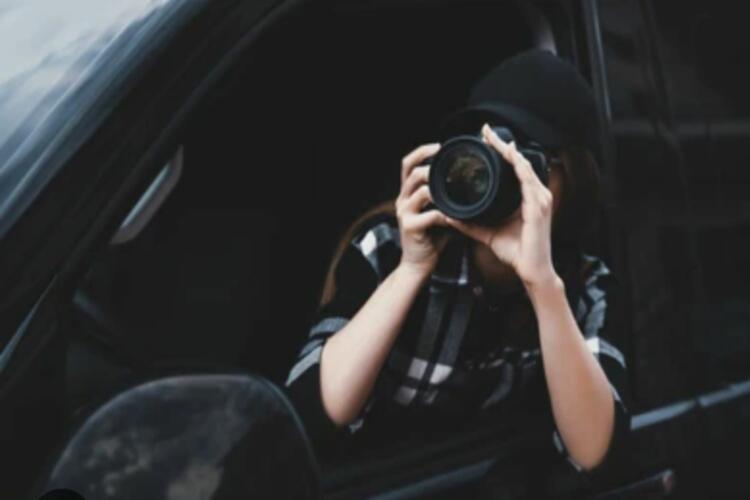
(50,50)
(53,45)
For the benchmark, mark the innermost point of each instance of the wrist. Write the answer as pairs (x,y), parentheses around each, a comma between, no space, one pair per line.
(543,289)
(412,272)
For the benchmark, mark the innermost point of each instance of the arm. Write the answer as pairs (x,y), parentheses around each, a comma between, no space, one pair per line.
(581,397)
(582,402)
(349,356)
(352,358)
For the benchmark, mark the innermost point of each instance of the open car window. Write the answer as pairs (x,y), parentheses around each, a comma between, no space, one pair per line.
(228,271)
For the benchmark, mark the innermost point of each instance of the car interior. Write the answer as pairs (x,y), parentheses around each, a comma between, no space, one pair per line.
(296,141)
(300,138)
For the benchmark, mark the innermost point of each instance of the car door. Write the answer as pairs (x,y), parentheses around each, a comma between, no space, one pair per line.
(672,80)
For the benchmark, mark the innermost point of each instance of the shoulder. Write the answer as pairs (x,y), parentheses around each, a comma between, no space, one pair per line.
(375,231)
(593,269)
(595,277)
(377,239)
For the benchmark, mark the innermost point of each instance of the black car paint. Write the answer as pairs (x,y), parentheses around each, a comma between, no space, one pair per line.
(80,222)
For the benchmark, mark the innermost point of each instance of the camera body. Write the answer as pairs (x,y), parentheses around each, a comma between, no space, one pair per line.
(471,181)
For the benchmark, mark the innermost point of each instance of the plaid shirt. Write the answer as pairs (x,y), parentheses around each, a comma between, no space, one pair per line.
(458,350)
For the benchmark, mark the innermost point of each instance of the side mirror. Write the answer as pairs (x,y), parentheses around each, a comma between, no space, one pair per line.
(198,437)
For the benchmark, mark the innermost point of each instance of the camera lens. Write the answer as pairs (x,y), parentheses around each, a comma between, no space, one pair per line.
(467,178)
(464,178)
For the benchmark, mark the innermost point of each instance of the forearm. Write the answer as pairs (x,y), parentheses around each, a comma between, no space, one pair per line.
(352,358)
(582,401)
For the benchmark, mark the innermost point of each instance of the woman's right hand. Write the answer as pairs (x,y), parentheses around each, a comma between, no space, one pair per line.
(420,246)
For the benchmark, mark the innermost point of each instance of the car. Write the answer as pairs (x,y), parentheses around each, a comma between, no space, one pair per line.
(174,175)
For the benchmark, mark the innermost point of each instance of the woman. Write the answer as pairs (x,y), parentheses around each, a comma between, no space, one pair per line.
(423,314)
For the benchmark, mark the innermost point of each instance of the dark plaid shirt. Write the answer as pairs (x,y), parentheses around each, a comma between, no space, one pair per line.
(459,351)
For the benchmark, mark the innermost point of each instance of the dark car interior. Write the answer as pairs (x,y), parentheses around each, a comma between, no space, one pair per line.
(307,131)
(306,134)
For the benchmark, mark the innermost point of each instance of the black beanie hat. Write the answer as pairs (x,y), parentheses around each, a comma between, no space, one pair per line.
(534,92)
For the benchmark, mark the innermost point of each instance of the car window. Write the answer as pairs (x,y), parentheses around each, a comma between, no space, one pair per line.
(679,115)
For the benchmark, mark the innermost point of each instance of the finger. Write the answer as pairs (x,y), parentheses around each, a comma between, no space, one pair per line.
(515,158)
(510,153)
(536,206)
(417,157)
(419,199)
(540,203)
(531,187)
(422,221)
(524,170)
(496,142)
(418,176)
(537,198)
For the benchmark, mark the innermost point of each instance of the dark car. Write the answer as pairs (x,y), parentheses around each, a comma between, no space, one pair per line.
(175,174)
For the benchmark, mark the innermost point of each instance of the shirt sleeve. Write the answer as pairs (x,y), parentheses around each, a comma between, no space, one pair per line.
(597,314)
(362,267)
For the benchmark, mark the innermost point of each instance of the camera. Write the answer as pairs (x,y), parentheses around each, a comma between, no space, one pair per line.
(471,181)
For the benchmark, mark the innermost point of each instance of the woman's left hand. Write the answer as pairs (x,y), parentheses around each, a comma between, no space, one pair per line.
(524,240)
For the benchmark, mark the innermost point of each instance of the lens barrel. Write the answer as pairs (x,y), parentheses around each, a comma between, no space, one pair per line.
(470,181)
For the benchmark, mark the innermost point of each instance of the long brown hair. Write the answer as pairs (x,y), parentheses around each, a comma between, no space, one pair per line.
(574,219)
(329,287)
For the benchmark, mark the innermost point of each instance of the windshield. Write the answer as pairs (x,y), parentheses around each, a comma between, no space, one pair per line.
(51,52)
